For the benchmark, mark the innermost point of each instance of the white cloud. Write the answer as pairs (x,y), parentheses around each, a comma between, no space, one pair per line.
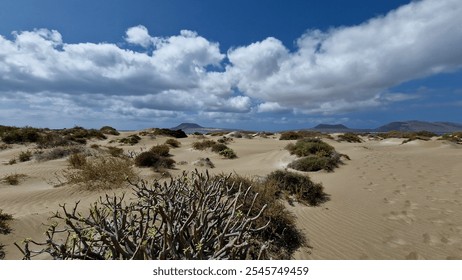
(139,35)
(347,68)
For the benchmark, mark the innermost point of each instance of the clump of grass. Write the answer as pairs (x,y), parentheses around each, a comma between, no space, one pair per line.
(12,161)
(218,147)
(350,138)
(310,146)
(315,155)
(101,172)
(173,143)
(58,153)
(115,151)
(77,160)
(130,140)
(225,140)
(228,153)
(13,179)
(25,156)
(203,145)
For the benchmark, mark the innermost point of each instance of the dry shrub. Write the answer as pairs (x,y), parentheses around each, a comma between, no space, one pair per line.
(218,147)
(204,162)
(191,217)
(315,163)
(455,137)
(109,130)
(173,143)
(151,159)
(101,173)
(13,179)
(350,138)
(115,151)
(161,150)
(25,156)
(310,146)
(203,145)
(4,229)
(59,152)
(228,153)
(77,160)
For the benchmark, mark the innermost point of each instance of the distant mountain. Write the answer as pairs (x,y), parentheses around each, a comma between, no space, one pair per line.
(331,126)
(435,127)
(185,126)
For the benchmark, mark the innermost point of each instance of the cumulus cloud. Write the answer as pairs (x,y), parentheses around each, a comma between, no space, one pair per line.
(348,68)
(339,70)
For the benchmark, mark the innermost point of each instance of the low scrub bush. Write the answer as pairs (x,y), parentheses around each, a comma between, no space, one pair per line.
(218,147)
(296,135)
(228,153)
(161,150)
(315,163)
(101,172)
(310,146)
(4,229)
(59,152)
(13,179)
(130,140)
(350,137)
(151,159)
(15,135)
(168,132)
(173,143)
(115,151)
(77,160)
(203,145)
(455,137)
(299,185)
(204,162)
(25,156)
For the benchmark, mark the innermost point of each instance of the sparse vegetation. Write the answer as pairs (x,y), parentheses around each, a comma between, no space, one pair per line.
(151,159)
(4,229)
(171,133)
(77,160)
(173,143)
(115,151)
(455,137)
(25,156)
(218,147)
(315,155)
(161,150)
(130,140)
(296,135)
(13,179)
(203,145)
(350,137)
(228,153)
(101,172)
(59,152)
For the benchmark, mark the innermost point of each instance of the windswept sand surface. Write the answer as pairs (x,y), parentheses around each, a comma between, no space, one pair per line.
(390,201)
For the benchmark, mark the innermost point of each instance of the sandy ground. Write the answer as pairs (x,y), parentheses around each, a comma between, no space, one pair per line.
(390,201)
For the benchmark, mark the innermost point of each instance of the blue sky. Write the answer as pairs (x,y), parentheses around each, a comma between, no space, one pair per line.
(262,65)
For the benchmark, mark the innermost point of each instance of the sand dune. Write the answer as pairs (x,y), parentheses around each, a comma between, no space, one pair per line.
(390,201)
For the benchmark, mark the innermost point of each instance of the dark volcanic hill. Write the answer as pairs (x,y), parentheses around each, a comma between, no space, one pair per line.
(435,127)
(186,126)
(331,126)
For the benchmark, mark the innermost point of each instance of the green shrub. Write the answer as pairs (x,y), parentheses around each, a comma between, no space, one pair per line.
(173,143)
(21,135)
(228,153)
(350,137)
(315,163)
(310,146)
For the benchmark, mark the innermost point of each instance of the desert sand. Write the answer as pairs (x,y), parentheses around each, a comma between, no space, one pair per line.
(390,201)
